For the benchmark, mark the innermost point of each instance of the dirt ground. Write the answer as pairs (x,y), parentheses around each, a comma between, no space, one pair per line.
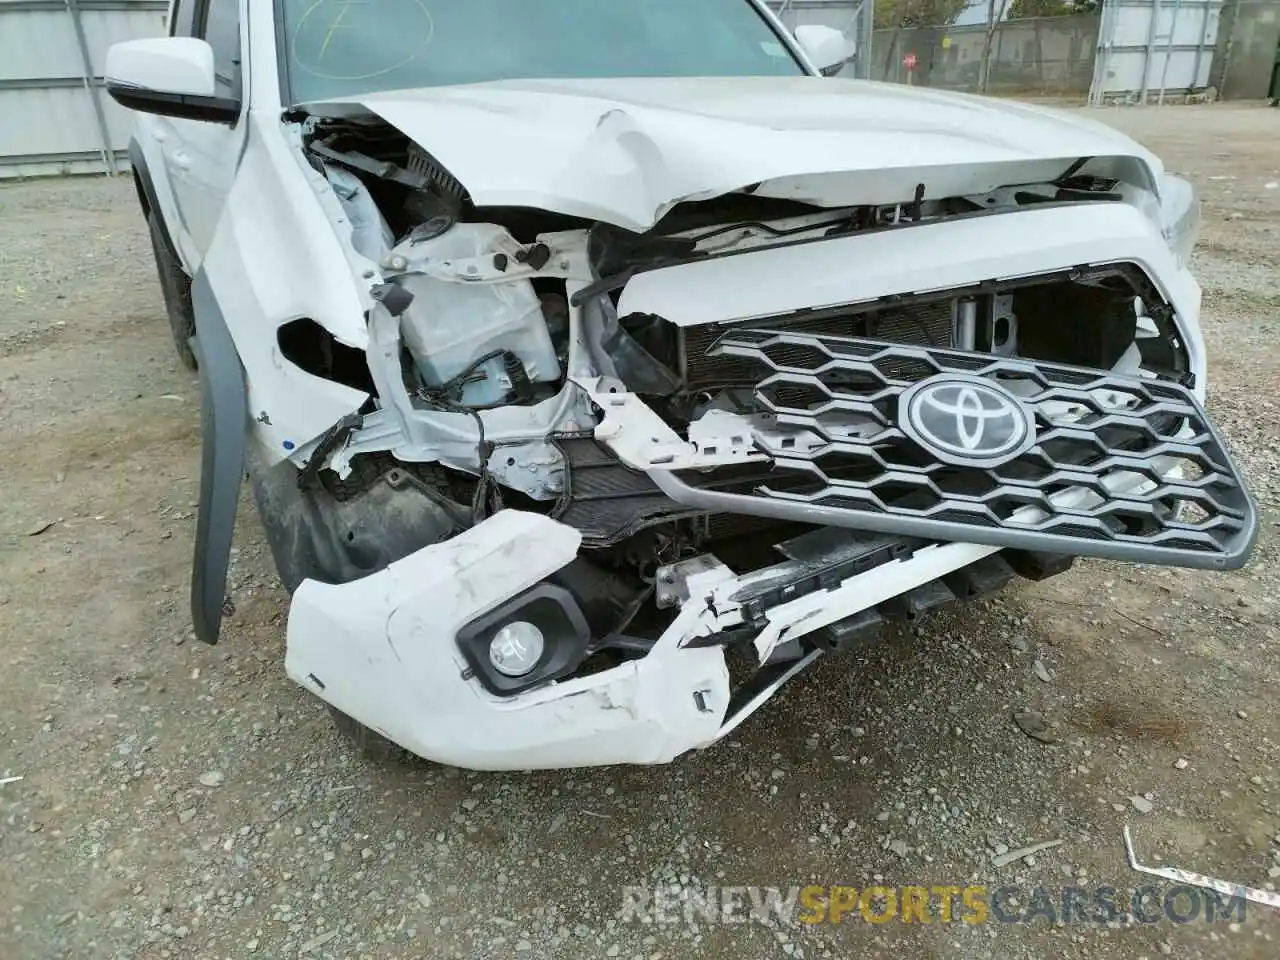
(177,800)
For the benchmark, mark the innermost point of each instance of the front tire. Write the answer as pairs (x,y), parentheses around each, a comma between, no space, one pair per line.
(175,286)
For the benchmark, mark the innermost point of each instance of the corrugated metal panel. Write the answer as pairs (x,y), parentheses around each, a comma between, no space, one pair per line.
(52,124)
(37,43)
(1148,48)
(50,120)
(102,28)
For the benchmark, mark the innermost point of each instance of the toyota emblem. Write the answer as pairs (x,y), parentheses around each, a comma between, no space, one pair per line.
(966,420)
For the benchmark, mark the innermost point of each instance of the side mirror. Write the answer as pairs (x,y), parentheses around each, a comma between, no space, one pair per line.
(827,47)
(169,76)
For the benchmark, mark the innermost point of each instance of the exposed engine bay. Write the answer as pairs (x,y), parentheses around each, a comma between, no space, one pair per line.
(509,366)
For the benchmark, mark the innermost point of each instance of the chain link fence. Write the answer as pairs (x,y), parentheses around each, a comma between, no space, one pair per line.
(1048,56)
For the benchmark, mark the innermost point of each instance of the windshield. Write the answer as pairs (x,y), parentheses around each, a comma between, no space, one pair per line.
(341,48)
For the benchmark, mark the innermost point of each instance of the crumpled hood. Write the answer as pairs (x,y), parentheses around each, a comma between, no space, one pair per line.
(626,151)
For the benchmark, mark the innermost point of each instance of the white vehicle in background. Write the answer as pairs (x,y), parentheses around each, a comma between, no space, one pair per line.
(578,352)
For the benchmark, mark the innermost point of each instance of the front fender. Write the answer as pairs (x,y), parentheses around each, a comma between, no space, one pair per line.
(275,258)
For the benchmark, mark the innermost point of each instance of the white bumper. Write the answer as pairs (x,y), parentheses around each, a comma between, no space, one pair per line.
(382,650)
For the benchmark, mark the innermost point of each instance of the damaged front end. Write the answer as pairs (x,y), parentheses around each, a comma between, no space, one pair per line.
(599,465)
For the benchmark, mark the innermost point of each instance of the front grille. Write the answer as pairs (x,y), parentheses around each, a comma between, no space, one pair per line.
(1101,471)
(922,324)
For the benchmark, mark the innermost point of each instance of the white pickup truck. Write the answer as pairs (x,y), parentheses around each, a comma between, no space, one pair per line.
(578,352)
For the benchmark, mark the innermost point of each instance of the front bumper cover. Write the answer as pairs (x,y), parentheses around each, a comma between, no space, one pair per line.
(382,649)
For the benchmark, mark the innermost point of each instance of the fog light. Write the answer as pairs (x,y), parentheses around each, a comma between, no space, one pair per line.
(516,649)
(536,637)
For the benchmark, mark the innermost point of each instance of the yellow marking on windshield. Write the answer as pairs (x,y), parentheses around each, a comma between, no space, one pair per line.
(308,55)
(335,26)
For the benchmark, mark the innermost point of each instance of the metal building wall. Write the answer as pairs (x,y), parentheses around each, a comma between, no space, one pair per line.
(55,116)
(1148,49)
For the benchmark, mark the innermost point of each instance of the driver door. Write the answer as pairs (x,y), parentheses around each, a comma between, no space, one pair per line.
(200,158)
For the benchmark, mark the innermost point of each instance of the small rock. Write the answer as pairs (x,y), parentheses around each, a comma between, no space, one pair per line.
(1141,804)
(315,943)
(1180,764)
(1043,672)
(1273,872)
(524,946)
(214,778)
(1034,725)
(899,847)
(1000,849)
(1256,780)
(1019,644)
(1242,715)
(186,816)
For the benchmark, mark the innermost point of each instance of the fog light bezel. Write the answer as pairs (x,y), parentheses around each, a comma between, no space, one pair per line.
(565,632)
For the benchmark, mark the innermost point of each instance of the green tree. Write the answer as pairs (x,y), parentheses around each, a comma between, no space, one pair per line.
(1025,9)
(917,13)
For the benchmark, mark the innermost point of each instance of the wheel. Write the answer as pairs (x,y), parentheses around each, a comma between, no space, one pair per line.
(369,743)
(175,286)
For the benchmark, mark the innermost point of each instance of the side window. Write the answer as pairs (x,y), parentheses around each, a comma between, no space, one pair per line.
(221,29)
(182,18)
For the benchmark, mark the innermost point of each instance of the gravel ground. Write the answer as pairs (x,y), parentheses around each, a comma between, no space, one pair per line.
(183,801)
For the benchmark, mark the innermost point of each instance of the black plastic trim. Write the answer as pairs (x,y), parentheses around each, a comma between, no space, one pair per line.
(224,415)
(182,106)
(147,194)
(550,608)
(818,561)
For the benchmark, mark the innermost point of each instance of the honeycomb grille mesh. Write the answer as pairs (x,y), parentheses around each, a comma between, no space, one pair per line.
(1114,463)
(925,324)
